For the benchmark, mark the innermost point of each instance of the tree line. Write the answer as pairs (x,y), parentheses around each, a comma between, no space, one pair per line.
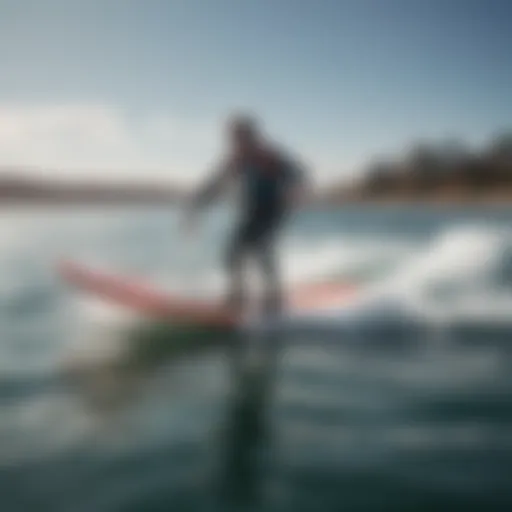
(450,168)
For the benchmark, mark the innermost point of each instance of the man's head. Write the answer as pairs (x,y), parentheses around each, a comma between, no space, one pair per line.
(244,133)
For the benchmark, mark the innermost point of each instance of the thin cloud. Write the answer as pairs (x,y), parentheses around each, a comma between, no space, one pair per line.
(98,141)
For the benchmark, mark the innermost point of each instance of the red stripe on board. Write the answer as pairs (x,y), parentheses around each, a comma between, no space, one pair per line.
(143,297)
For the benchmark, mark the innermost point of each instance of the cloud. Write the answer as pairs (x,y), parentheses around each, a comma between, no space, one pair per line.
(95,141)
(100,141)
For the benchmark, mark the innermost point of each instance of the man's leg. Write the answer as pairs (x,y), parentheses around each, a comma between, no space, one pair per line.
(235,266)
(266,253)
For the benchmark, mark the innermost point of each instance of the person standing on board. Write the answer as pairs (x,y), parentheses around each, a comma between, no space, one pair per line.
(271,185)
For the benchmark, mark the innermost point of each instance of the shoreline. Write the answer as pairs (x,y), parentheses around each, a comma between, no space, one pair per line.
(486,201)
(431,201)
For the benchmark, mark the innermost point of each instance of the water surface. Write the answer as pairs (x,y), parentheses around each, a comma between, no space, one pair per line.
(409,408)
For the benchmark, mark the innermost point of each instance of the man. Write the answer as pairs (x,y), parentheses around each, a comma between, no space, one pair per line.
(270,186)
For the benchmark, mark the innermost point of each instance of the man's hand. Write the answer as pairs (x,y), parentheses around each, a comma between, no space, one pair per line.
(206,193)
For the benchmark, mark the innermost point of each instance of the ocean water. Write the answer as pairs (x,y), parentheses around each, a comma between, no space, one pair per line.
(406,405)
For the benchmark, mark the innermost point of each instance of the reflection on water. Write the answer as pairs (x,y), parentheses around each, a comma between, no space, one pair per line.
(247,430)
(110,383)
(244,430)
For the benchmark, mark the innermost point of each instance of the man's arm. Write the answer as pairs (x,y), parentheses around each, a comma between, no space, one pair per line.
(210,189)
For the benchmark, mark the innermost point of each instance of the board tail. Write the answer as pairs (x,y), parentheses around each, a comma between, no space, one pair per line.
(145,298)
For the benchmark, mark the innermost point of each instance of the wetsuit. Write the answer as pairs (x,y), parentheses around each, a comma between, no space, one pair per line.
(266,182)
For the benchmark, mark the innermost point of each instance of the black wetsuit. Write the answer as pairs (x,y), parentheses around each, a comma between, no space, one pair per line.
(265,187)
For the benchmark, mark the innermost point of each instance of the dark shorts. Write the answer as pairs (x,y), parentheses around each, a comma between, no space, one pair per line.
(255,238)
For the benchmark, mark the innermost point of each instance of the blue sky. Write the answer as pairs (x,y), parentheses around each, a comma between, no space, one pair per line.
(138,88)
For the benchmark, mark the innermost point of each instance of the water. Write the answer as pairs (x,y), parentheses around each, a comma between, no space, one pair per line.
(407,408)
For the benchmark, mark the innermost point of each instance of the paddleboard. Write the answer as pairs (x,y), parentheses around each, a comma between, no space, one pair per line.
(147,299)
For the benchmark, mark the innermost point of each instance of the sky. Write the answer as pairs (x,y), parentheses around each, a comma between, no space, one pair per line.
(138,89)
